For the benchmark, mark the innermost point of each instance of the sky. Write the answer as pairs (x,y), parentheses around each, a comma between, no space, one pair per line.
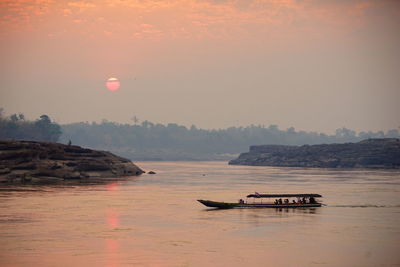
(309,64)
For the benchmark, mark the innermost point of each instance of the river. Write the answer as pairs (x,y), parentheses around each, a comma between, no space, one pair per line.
(155,220)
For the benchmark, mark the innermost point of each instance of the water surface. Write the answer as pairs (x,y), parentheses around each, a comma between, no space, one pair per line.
(154,220)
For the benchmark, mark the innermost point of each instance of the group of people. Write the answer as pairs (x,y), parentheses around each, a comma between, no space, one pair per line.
(286,201)
(279,201)
(301,201)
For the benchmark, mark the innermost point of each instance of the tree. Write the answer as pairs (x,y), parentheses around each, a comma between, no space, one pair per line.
(45,118)
(135,119)
(394,133)
(14,117)
(16,127)
(345,133)
(47,130)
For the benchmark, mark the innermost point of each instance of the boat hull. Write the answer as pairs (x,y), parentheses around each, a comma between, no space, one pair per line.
(224,205)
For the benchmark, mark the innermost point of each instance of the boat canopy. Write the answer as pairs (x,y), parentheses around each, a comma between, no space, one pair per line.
(282,195)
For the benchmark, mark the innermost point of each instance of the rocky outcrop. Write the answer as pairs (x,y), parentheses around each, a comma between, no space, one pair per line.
(28,161)
(371,153)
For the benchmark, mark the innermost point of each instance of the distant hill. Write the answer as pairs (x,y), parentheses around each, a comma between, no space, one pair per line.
(370,153)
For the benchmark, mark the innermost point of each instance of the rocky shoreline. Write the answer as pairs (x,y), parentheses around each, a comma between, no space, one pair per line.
(31,162)
(381,153)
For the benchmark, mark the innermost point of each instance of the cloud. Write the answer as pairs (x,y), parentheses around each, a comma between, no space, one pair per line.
(81,6)
(214,19)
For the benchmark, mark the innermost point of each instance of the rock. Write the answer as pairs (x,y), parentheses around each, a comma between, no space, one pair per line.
(4,171)
(151,172)
(22,161)
(371,153)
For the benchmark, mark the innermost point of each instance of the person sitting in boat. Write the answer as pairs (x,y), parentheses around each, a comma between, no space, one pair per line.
(294,201)
(241,201)
(286,201)
(312,200)
(280,201)
(304,200)
(276,202)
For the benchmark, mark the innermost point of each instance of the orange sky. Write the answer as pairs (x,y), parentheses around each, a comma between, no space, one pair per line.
(179,19)
(314,65)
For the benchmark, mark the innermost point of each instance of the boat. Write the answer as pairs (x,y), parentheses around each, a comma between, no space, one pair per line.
(281,201)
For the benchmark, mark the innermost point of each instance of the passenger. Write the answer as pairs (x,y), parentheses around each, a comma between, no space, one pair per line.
(312,200)
(304,200)
(286,201)
(276,202)
(294,201)
(241,201)
(280,201)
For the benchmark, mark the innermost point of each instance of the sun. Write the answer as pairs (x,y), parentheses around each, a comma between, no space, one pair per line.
(113,84)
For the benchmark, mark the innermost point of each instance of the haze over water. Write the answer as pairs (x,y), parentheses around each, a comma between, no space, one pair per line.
(154,220)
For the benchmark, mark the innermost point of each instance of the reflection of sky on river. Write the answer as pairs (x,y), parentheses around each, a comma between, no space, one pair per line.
(155,220)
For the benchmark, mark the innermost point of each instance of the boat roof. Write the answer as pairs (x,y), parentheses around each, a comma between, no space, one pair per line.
(282,195)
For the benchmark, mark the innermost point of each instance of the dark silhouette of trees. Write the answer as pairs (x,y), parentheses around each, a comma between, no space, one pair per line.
(16,127)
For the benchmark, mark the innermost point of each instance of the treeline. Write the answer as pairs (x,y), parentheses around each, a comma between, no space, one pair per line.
(149,141)
(16,127)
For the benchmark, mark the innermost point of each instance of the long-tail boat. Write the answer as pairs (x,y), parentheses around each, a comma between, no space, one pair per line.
(281,201)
